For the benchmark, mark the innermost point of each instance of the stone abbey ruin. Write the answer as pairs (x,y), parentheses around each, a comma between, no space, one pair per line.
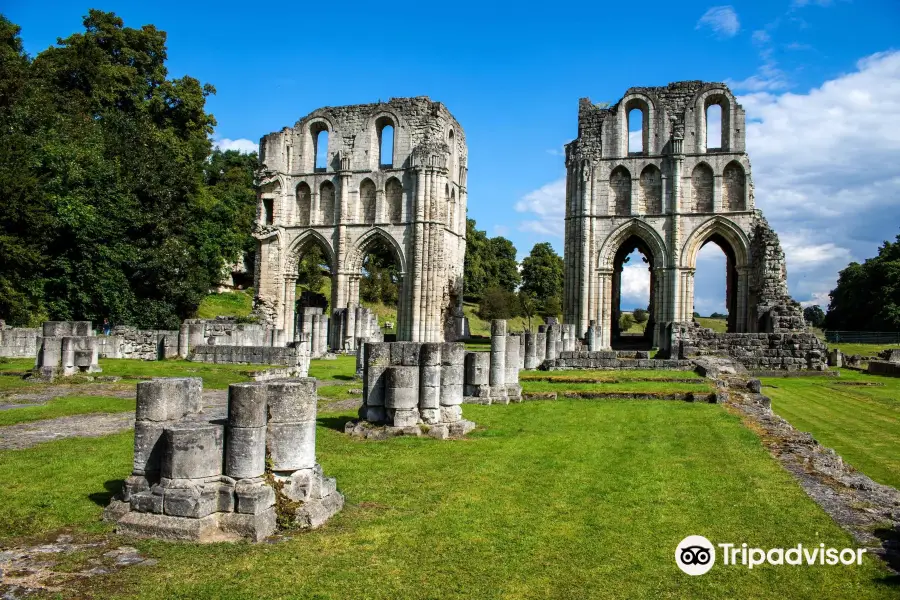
(667,200)
(345,178)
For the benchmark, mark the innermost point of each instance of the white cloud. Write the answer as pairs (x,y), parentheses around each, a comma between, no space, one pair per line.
(826,172)
(241,145)
(635,286)
(722,20)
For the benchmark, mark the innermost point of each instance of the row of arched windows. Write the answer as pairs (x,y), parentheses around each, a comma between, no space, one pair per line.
(716,138)
(385,128)
(648,199)
(393,198)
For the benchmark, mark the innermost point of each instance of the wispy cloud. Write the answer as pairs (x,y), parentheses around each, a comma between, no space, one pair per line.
(242,145)
(721,20)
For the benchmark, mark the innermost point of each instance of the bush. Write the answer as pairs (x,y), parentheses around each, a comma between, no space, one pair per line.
(626,321)
(641,315)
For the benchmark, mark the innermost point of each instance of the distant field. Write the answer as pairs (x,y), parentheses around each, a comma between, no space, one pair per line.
(228,304)
(720,325)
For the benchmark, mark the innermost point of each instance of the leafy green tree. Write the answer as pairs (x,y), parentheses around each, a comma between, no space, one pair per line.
(111,207)
(381,276)
(814,315)
(542,278)
(490,262)
(640,315)
(867,295)
(626,322)
(311,271)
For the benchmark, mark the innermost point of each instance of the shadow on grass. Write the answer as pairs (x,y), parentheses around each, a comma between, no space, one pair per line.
(113,487)
(890,541)
(344,377)
(336,423)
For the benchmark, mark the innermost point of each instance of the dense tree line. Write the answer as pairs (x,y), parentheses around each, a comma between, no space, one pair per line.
(867,295)
(112,203)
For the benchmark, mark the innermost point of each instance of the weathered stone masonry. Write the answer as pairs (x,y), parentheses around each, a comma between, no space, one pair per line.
(414,201)
(667,200)
(207,479)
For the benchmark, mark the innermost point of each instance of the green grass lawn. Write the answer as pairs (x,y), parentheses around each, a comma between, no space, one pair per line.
(861,349)
(862,423)
(214,376)
(637,375)
(720,325)
(623,386)
(566,499)
(65,406)
(227,304)
(341,368)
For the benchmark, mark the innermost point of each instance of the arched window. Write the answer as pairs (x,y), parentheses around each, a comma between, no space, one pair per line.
(650,202)
(320,140)
(367,201)
(702,188)
(714,139)
(267,211)
(620,191)
(386,146)
(326,202)
(304,200)
(733,187)
(635,131)
(393,195)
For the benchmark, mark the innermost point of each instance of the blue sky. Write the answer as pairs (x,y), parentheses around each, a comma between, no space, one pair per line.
(819,79)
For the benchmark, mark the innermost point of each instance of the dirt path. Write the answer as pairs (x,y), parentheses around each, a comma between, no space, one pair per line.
(26,435)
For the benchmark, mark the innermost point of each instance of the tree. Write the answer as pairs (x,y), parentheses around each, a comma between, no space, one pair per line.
(490,262)
(718,315)
(381,278)
(814,315)
(867,296)
(640,315)
(311,270)
(112,203)
(626,322)
(542,278)
(498,303)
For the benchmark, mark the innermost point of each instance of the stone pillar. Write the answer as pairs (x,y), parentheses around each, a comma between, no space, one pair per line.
(290,295)
(498,353)
(478,367)
(377,359)
(430,384)
(291,429)
(452,380)
(245,445)
(553,335)
(184,346)
(591,335)
(401,395)
(540,348)
(322,338)
(303,353)
(531,361)
(512,367)
(521,351)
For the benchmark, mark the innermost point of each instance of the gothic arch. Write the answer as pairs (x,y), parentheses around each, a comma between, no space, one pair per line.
(724,229)
(356,254)
(620,191)
(639,229)
(302,241)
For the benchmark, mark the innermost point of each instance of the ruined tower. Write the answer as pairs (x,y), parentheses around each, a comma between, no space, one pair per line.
(345,178)
(665,192)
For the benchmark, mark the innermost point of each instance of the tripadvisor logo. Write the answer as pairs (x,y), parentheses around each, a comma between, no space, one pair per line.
(696,555)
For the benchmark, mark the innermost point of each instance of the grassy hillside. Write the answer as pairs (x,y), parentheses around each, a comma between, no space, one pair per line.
(228,304)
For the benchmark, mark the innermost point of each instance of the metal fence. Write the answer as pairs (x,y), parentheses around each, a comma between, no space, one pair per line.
(863,337)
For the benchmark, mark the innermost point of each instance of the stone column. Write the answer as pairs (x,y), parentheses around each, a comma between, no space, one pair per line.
(430,384)
(531,361)
(290,294)
(291,429)
(498,353)
(401,395)
(511,375)
(540,348)
(245,445)
(377,358)
(452,380)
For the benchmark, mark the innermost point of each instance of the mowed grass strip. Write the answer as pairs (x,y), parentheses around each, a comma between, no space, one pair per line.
(597,375)
(215,376)
(66,406)
(862,423)
(570,499)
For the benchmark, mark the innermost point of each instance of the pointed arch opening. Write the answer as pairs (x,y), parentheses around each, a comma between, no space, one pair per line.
(702,189)
(393,196)
(312,260)
(650,198)
(367,202)
(636,131)
(303,206)
(633,312)
(379,262)
(734,187)
(385,129)
(326,203)
(715,272)
(620,191)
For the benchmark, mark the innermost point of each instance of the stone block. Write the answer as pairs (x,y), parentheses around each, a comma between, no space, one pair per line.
(429,397)
(292,400)
(314,514)
(193,451)
(166,527)
(253,497)
(431,354)
(453,353)
(451,395)
(149,446)
(478,366)
(195,504)
(147,502)
(253,527)
(406,417)
(245,452)
(291,446)
(247,404)
(164,399)
(401,387)
(430,416)
(450,414)
(373,414)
